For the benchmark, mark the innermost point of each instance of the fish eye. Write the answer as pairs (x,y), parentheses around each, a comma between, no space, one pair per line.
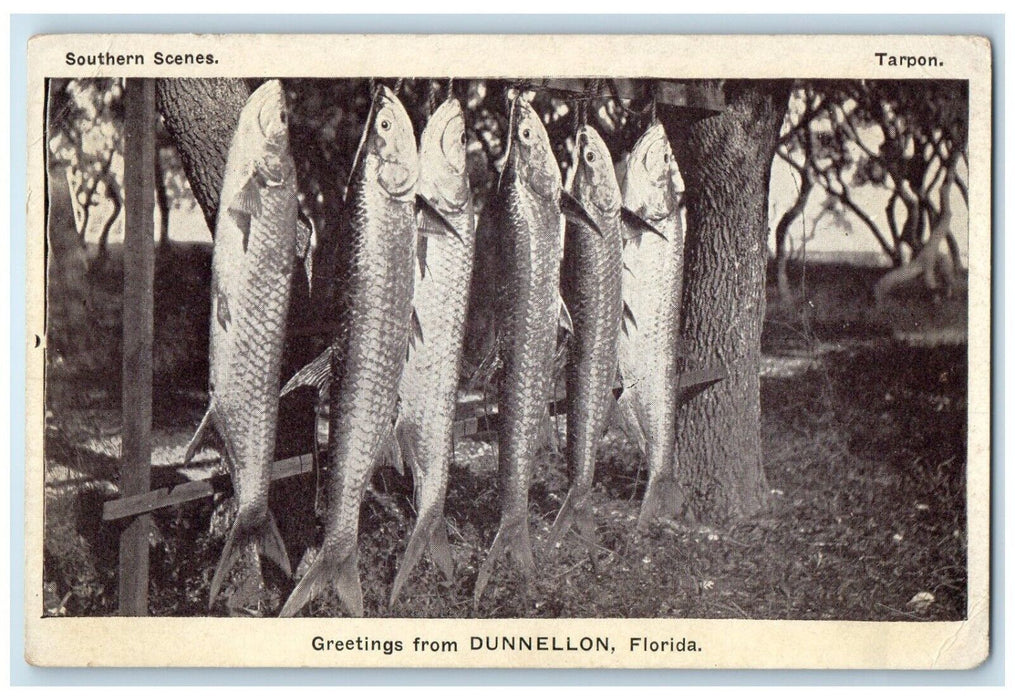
(284,117)
(462,138)
(526,133)
(666,157)
(385,124)
(590,157)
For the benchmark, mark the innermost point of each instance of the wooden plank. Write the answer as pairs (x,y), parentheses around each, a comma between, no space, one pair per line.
(195,490)
(476,419)
(672,93)
(138,280)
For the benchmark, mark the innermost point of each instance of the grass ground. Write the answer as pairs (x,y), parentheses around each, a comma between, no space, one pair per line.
(863,428)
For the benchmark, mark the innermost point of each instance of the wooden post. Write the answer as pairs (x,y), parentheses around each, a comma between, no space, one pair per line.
(138,279)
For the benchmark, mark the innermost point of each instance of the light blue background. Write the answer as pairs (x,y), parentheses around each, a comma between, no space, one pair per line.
(24,26)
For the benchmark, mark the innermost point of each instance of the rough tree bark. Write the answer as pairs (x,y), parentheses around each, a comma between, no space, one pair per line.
(201,115)
(726,162)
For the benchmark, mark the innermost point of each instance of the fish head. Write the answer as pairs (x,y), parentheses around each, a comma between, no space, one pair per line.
(389,146)
(442,178)
(265,118)
(530,154)
(648,184)
(595,182)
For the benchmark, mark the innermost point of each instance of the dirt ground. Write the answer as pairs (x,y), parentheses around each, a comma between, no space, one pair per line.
(864,436)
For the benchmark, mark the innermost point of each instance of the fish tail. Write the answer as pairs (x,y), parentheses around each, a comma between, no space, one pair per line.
(575,512)
(630,424)
(663,497)
(265,537)
(328,570)
(440,551)
(512,538)
(429,529)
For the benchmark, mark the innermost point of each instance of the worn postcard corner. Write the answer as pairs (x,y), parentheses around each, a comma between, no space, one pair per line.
(508,351)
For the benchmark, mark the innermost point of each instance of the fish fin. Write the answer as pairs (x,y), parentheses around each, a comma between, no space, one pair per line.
(663,497)
(574,512)
(415,333)
(316,374)
(273,546)
(393,450)
(432,222)
(440,551)
(429,522)
(222,314)
(325,572)
(629,421)
(512,538)
(209,421)
(304,249)
(628,318)
(417,328)
(267,541)
(635,226)
(245,206)
(421,255)
(549,435)
(565,316)
(573,210)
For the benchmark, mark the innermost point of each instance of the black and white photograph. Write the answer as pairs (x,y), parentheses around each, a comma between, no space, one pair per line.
(546,346)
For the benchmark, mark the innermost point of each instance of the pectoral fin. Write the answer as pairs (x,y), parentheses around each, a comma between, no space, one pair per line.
(627,322)
(246,205)
(432,222)
(635,226)
(415,333)
(575,212)
(565,317)
(421,255)
(316,374)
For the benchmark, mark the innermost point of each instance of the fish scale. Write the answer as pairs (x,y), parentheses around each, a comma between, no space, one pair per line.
(649,345)
(590,285)
(374,276)
(525,212)
(252,266)
(429,387)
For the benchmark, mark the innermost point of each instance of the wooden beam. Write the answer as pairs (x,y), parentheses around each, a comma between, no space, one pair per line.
(138,280)
(672,93)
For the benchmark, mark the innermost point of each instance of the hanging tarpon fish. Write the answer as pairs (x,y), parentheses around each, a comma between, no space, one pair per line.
(252,266)
(590,286)
(373,279)
(650,339)
(429,386)
(525,212)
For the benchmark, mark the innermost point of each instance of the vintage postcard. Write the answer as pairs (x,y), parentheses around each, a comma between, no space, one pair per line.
(508,351)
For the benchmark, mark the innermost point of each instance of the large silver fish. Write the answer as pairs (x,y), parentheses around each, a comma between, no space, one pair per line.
(590,285)
(525,211)
(428,390)
(374,278)
(252,267)
(649,343)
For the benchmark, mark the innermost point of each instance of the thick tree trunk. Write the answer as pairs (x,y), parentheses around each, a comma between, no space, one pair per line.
(201,115)
(726,161)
